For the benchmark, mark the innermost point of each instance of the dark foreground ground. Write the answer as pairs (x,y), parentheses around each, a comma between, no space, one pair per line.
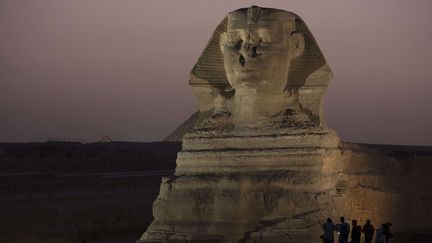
(100,192)
(69,192)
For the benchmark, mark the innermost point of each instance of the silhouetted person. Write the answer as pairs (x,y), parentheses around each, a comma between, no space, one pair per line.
(329,229)
(368,231)
(380,236)
(355,232)
(386,231)
(344,229)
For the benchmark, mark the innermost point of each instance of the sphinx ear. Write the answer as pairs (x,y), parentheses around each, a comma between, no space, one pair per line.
(296,45)
(222,41)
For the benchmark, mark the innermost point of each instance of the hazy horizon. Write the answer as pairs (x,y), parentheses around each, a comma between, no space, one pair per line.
(88,69)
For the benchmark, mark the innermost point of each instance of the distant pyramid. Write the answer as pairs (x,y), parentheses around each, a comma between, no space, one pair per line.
(186,126)
(105,139)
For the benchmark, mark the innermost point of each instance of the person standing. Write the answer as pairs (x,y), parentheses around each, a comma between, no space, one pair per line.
(355,232)
(386,231)
(380,235)
(368,230)
(344,229)
(329,229)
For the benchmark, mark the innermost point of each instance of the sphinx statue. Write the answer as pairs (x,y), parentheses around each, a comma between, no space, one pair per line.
(259,159)
(263,75)
(262,66)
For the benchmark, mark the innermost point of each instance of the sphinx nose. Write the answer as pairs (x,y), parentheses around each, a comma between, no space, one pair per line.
(248,52)
(250,48)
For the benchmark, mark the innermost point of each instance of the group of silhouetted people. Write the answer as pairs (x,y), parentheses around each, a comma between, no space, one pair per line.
(383,234)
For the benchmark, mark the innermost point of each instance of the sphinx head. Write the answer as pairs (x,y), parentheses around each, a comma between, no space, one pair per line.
(261,62)
(258,46)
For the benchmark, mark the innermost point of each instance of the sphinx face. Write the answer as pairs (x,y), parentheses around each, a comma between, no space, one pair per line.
(257,49)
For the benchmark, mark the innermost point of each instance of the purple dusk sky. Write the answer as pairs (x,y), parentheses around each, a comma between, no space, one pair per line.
(85,69)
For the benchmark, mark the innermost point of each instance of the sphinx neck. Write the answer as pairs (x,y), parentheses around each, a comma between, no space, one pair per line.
(249,105)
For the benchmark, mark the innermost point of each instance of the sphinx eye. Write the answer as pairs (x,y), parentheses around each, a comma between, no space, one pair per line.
(268,38)
(233,38)
(238,44)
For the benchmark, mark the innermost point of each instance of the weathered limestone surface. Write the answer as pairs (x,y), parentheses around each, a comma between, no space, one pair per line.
(388,186)
(381,183)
